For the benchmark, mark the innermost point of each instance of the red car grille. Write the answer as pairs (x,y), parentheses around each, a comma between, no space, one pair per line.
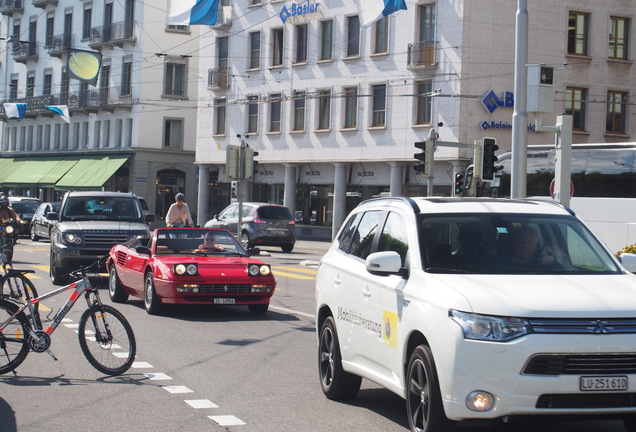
(121,258)
(225,288)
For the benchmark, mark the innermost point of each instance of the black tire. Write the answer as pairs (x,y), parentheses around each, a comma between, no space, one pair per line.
(114,354)
(115,288)
(287,247)
(424,407)
(258,308)
(57,274)
(335,382)
(34,236)
(152,302)
(245,241)
(14,337)
(18,288)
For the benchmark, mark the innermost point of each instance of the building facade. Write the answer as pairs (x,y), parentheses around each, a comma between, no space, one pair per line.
(334,106)
(132,128)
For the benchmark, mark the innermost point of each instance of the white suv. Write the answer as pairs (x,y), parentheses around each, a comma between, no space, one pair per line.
(477,309)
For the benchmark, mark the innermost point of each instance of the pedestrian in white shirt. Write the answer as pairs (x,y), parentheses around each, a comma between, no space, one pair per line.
(178,215)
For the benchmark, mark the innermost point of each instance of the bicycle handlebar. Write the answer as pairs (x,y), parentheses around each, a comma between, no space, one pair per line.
(89,268)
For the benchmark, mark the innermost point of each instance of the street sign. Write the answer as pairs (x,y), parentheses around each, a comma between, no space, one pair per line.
(552,186)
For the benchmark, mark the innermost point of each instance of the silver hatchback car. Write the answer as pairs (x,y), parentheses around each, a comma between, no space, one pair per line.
(262,224)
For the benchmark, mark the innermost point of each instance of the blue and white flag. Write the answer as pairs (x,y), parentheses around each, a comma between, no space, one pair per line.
(14,110)
(62,111)
(192,12)
(373,10)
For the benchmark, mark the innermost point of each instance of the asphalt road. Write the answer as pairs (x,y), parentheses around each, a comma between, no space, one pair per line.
(206,369)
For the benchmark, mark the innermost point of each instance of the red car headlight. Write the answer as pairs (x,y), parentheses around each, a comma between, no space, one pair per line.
(189,269)
(259,269)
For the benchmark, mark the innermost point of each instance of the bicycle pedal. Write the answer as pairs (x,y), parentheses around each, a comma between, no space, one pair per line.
(49,352)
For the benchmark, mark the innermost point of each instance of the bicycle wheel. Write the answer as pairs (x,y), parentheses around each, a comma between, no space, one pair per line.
(107,339)
(14,338)
(18,288)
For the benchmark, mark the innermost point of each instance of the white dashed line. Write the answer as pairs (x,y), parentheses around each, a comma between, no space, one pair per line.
(121,354)
(141,365)
(72,326)
(157,376)
(177,389)
(227,420)
(201,403)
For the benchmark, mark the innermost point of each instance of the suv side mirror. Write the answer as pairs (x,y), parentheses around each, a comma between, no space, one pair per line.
(385,263)
(150,217)
(52,216)
(629,261)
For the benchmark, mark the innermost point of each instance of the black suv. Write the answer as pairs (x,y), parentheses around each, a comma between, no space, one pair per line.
(88,224)
(262,224)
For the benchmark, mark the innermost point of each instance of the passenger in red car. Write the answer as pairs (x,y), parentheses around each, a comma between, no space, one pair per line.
(209,244)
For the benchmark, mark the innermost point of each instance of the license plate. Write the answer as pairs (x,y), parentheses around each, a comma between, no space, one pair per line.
(603,383)
(224,301)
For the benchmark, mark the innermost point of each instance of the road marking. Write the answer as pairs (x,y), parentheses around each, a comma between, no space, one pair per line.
(227,420)
(157,376)
(296,269)
(291,311)
(201,403)
(140,365)
(177,389)
(292,276)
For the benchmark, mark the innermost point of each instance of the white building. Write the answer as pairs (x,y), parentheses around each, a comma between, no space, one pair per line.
(134,130)
(334,108)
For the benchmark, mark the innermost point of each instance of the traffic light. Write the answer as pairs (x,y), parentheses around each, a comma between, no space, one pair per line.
(249,162)
(488,159)
(232,162)
(425,156)
(459,183)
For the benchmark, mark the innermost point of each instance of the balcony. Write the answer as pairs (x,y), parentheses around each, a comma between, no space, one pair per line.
(224,17)
(219,79)
(9,7)
(94,100)
(43,3)
(23,52)
(58,45)
(422,54)
(116,34)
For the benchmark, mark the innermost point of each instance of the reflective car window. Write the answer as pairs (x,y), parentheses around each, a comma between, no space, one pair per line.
(363,238)
(394,236)
(346,235)
(274,212)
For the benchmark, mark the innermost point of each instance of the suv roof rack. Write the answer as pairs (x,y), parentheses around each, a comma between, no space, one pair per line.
(409,201)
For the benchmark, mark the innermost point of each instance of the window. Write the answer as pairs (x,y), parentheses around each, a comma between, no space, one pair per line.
(578,33)
(381,41)
(47,85)
(172,133)
(424,102)
(49,29)
(299,111)
(255,50)
(106,133)
(97,131)
(324,109)
(379,106)
(179,28)
(252,114)
(353,36)
(126,77)
(175,77)
(616,112)
(363,238)
(219,116)
(13,87)
(30,84)
(326,40)
(618,37)
(274,112)
(277,47)
(575,105)
(351,108)
(394,236)
(301,43)
(423,52)
(87,24)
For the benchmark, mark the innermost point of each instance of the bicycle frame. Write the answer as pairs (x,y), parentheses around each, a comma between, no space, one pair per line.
(78,288)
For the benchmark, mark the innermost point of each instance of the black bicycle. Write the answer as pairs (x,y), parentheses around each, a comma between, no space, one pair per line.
(105,336)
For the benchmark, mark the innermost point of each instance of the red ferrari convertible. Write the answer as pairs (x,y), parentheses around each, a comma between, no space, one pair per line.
(189,266)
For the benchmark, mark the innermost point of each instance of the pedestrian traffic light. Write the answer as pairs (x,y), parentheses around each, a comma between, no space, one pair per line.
(425,156)
(488,159)
(459,183)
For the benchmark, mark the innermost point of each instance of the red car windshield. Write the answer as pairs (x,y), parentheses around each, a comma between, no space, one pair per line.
(196,241)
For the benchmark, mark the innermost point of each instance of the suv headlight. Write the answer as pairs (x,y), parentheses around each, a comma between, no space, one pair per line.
(71,238)
(490,328)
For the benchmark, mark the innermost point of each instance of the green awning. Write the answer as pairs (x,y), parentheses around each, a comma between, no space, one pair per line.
(29,172)
(91,172)
(57,172)
(7,166)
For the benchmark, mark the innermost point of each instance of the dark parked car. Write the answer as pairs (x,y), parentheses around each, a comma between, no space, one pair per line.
(40,224)
(262,224)
(24,208)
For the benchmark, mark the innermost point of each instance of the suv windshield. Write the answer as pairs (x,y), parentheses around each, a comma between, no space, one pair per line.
(24,206)
(510,243)
(86,208)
